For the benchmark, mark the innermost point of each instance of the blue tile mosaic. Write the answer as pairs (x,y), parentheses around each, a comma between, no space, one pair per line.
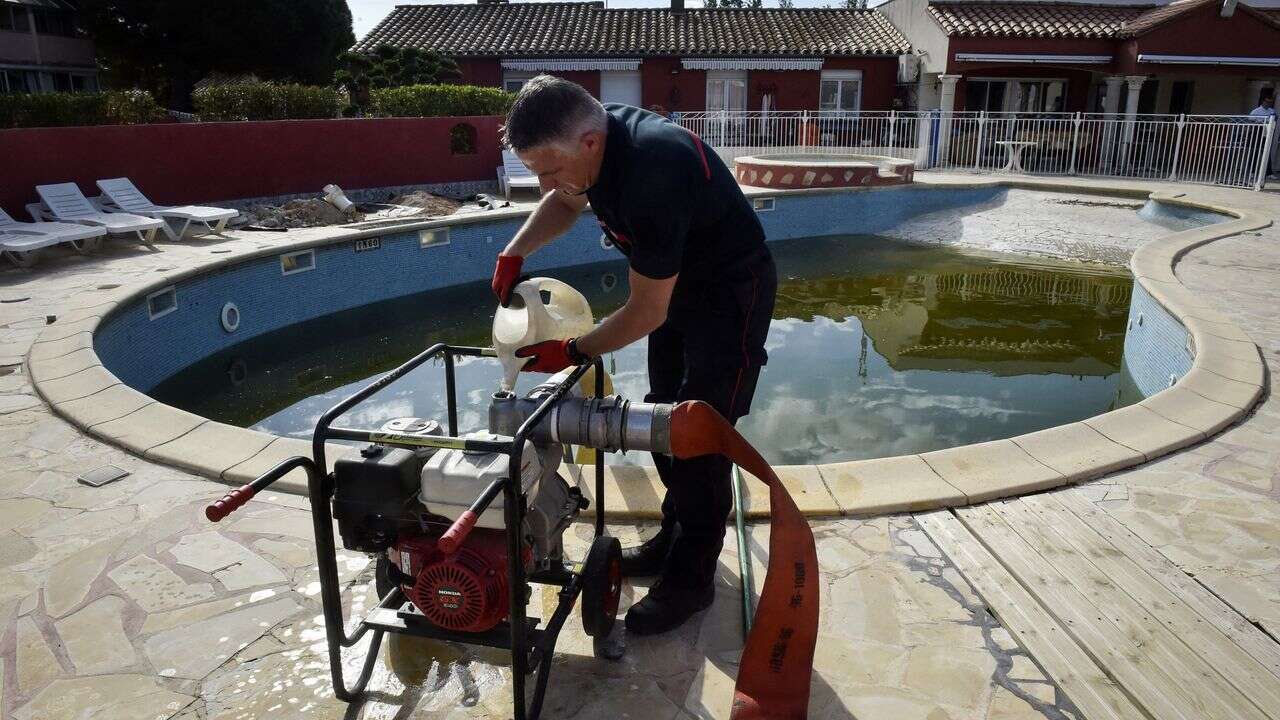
(143,352)
(1156,352)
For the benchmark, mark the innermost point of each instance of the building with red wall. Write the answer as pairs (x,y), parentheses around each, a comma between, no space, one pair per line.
(1186,56)
(673,59)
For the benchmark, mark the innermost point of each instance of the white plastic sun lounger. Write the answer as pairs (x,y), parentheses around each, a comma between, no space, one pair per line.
(121,195)
(66,203)
(513,175)
(22,242)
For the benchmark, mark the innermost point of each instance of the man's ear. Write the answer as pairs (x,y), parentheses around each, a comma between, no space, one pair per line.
(592,140)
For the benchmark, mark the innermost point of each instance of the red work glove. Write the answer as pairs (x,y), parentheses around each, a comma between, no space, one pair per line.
(506,274)
(551,356)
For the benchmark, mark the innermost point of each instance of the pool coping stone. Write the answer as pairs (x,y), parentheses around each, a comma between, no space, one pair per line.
(1227,378)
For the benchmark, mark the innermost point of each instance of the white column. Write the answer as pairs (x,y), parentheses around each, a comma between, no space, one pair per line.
(947,104)
(1111,102)
(947,101)
(1134,82)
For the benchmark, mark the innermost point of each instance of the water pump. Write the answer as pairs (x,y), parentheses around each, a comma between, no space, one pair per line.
(400,504)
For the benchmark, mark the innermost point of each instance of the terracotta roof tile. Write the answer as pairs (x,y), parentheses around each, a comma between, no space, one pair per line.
(1066,20)
(1039,20)
(587,29)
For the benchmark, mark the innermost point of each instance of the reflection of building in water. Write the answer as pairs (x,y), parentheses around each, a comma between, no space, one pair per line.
(1000,320)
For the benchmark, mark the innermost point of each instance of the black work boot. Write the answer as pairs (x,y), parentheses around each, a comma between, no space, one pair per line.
(668,605)
(686,587)
(650,557)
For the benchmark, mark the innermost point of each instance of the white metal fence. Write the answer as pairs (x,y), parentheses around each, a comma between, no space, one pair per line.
(1213,149)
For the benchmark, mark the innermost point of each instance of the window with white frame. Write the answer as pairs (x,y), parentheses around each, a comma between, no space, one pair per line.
(841,91)
(513,81)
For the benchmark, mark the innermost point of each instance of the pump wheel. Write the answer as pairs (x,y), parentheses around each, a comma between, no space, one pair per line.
(601,586)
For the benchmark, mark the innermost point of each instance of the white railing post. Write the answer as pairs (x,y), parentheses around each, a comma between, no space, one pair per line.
(1177,147)
(893,130)
(977,150)
(1075,142)
(1261,178)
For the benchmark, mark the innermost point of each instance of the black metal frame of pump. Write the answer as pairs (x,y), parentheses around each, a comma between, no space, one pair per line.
(531,647)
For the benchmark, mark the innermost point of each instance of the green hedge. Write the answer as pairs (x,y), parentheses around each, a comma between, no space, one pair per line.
(266,101)
(438,101)
(65,109)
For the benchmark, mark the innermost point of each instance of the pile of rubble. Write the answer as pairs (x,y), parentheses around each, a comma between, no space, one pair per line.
(317,212)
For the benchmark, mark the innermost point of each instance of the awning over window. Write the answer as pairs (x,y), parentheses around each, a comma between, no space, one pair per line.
(1208,60)
(569,64)
(761,63)
(1035,58)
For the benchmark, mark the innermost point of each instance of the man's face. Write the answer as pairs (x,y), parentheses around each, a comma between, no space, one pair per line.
(570,170)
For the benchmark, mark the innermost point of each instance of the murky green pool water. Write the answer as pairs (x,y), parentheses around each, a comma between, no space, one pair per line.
(877,348)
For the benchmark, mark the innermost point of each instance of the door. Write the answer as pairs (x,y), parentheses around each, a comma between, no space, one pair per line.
(727,98)
(620,87)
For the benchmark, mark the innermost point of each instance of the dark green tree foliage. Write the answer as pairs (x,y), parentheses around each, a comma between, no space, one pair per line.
(390,67)
(733,3)
(167,45)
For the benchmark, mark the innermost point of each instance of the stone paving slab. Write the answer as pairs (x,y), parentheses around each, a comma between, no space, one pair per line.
(1077,451)
(887,485)
(151,425)
(1144,430)
(984,471)
(111,403)
(211,448)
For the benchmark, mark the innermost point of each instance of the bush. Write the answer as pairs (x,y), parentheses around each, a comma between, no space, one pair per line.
(438,101)
(265,101)
(116,107)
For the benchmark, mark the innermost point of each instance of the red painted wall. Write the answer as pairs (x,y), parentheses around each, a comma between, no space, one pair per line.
(206,162)
(792,89)
(589,79)
(684,91)
(480,71)
(1204,32)
(879,79)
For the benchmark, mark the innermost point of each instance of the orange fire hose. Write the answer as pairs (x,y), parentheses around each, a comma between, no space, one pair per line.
(777,662)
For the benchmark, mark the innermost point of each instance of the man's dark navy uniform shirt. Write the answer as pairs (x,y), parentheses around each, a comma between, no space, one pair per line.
(671,206)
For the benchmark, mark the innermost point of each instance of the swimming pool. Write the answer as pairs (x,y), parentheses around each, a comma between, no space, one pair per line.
(300,324)
(877,348)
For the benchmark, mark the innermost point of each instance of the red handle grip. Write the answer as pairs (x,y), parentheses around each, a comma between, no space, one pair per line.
(457,532)
(229,503)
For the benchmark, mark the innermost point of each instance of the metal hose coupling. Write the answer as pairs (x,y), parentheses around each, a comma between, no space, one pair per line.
(612,423)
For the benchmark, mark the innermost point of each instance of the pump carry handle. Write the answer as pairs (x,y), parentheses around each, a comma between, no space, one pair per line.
(236,499)
(452,538)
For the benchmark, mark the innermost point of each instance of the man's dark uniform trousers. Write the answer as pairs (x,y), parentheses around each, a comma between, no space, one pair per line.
(671,206)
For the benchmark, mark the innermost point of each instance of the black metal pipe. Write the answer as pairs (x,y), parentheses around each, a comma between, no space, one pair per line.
(331,593)
(322,427)
(599,456)
(450,391)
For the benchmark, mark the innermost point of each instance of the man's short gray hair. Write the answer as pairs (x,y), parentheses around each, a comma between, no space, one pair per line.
(549,109)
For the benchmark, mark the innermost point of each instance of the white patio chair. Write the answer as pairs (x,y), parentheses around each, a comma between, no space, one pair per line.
(66,203)
(513,175)
(22,242)
(121,195)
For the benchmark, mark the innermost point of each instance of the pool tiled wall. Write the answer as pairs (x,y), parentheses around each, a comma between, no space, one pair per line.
(1156,352)
(143,352)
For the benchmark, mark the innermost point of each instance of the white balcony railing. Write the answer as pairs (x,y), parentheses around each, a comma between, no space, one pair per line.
(1226,150)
